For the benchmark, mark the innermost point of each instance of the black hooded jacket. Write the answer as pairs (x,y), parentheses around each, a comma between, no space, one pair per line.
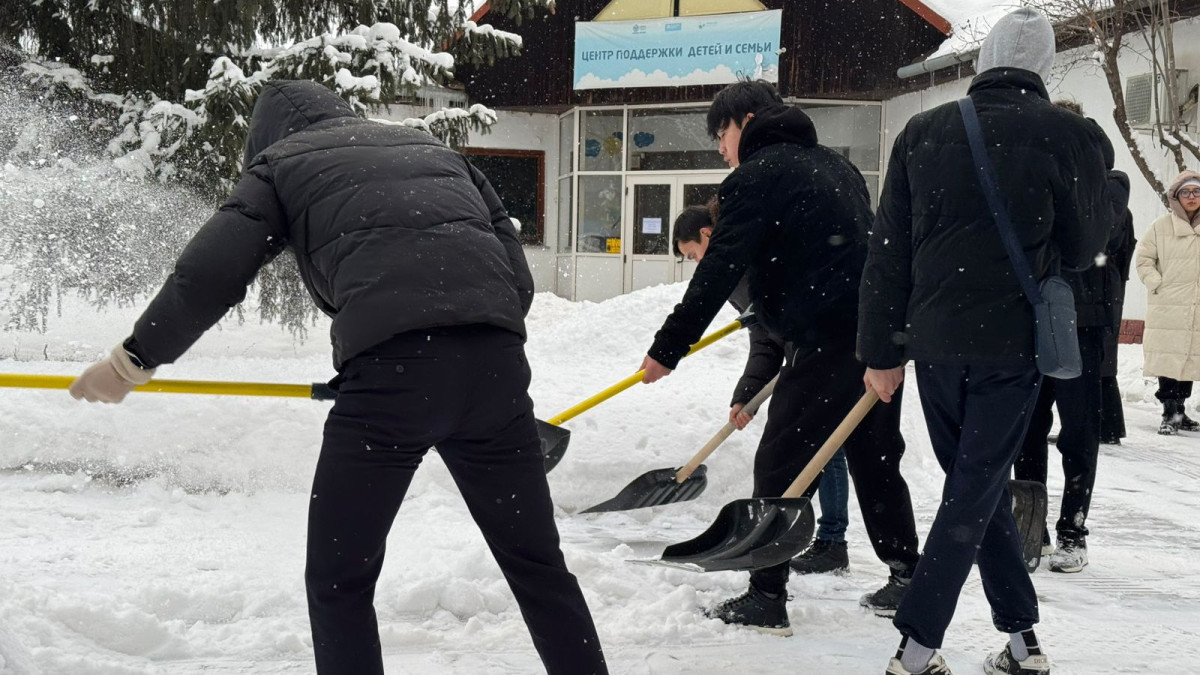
(392,230)
(939,286)
(794,218)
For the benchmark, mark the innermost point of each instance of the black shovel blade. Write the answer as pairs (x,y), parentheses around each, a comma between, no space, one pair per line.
(554,442)
(1029,510)
(654,488)
(748,534)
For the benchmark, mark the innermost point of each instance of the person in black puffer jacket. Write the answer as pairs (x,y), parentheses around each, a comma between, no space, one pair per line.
(408,248)
(793,220)
(939,289)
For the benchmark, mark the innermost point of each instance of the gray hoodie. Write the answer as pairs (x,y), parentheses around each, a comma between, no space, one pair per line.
(1021,39)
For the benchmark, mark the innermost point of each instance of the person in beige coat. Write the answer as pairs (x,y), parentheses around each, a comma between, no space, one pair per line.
(1168,261)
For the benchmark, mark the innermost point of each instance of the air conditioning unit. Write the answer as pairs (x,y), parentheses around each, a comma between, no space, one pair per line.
(1145,93)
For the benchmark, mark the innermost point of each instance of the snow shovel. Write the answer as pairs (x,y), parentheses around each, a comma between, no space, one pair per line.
(318,391)
(670,486)
(554,438)
(1029,510)
(750,534)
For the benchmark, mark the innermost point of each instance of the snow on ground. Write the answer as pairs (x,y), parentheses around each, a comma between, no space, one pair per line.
(166,535)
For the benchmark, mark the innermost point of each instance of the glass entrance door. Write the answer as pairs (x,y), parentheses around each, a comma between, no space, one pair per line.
(652,203)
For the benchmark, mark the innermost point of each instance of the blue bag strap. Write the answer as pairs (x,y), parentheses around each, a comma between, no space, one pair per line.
(991,191)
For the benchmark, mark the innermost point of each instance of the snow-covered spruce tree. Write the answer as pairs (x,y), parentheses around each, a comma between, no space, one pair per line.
(171,85)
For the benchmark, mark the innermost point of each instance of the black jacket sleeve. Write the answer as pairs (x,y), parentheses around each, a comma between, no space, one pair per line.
(507,234)
(766,357)
(739,234)
(887,278)
(212,273)
(1081,206)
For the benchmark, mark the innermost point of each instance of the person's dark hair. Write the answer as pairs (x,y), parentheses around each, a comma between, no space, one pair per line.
(691,219)
(1068,104)
(739,99)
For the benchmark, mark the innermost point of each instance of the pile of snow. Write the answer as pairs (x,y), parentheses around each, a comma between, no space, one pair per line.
(166,535)
(970,22)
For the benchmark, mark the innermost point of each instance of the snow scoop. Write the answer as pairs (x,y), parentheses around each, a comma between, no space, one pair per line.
(670,486)
(1029,509)
(554,438)
(318,391)
(750,534)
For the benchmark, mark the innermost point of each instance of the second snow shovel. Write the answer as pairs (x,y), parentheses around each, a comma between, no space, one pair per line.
(670,486)
(750,534)
(554,438)
(1029,510)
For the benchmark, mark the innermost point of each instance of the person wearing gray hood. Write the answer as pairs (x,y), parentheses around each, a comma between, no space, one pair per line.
(939,290)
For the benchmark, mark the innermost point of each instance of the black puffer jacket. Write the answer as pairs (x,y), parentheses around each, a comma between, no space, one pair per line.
(794,217)
(938,285)
(393,231)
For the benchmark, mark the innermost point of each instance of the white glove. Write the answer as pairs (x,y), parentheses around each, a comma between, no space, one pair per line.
(111,379)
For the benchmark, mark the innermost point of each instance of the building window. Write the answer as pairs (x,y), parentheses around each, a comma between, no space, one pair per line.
(672,139)
(599,214)
(601,140)
(853,130)
(519,177)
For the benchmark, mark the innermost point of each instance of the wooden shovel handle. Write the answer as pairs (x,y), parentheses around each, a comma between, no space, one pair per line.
(836,440)
(752,407)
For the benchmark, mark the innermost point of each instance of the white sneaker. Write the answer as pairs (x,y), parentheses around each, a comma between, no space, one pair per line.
(1004,663)
(936,666)
(1069,557)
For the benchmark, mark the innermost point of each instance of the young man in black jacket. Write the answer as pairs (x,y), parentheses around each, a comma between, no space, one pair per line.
(793,220)
(408,248)
(939,289)
(692,231)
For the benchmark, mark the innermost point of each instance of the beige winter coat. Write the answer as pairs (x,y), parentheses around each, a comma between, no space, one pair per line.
(1168,261)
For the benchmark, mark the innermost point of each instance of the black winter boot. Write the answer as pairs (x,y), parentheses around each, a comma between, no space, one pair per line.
(1182,421)
(823,556)
(756,610)
(1169,425)
(885,601)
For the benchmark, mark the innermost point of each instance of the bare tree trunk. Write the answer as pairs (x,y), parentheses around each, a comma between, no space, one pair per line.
(1112,74)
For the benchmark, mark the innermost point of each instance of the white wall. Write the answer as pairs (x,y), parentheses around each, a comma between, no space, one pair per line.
(1086,85)
(520,131)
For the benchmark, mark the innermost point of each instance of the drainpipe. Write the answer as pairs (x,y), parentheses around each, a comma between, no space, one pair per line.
(935,64)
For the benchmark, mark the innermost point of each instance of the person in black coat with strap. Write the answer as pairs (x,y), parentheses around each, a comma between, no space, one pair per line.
(793,220)
(409,250)
(939,289)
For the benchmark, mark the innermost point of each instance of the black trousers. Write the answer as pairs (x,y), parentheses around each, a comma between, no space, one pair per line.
(1112,415)
(976,417)
(1080,405)
(813,396)
(1173,390)
(464,390)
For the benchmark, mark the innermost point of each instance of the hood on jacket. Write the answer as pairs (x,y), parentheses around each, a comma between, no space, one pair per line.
(777,124)
(1173,201)
(1021,39)
(1118,193)
(287,106)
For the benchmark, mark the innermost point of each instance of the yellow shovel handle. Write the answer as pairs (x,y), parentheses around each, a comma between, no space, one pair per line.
(170,386)
(628,382)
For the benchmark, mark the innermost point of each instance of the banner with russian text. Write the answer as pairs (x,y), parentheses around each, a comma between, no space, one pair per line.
(680,51)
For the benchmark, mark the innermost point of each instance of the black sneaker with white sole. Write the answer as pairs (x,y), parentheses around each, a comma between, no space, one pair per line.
(756,610)
(885,601)
(822,557)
